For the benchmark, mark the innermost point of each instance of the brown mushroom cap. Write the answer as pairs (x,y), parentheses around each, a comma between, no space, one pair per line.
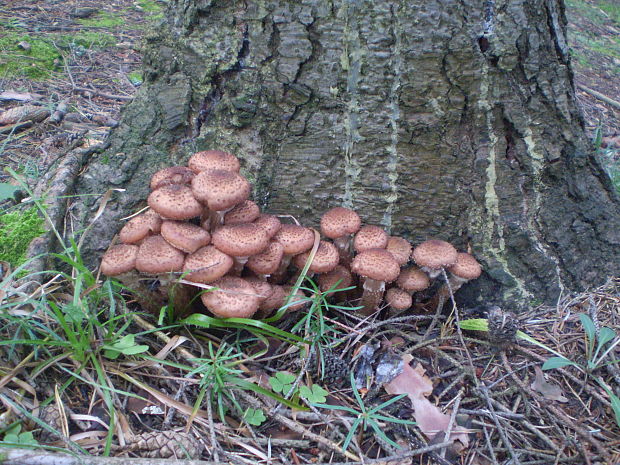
(172,175)
(207,264)
(434,254)
(175,202)
(298,300)
(400,248)
(413,280)
(268,261)
(119,259)
(295,238)
(184,236)
(234,298)
(370,237)
(377,264)
(244,212)
(466,267)
(140,226)
(240,240)
(325,259)
(220,189)
(276,299)
(261,288)
(213,160)
(155,255)
(398,299)
(269,223)
(340,221)
(328,280)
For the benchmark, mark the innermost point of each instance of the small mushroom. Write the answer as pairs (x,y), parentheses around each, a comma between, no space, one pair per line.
(268,261)
(206,265)
(119,259)
(172,175)
(434,255)
(339,278)
(340,224)
(155,255)
(140,227)
(370,237)
(184,236)
(377,267)
(295,239)
(220,190)
(244,212)
(240,241)
(269,223)
(325,259)
(175,202)
(213,160)
(233,298)
(400,248)
(398,300)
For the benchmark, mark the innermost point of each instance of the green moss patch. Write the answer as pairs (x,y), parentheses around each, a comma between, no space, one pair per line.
(149,6)
(87,39)
(17,229)
(103,19)
(36,63)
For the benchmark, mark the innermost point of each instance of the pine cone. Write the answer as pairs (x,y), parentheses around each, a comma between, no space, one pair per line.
(166,444)
(503,327)
(50,415)
(334,370)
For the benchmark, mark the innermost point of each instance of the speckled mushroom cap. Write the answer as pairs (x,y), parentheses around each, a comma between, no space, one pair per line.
(295,238)
(400,248)
(339,222)
(377,264)
(172,175)
(466,267)
(398,299)
(298,300)
(268,261)
(240,240)
(434,254)
(413,280)
(184,236)
(329,280)
(275,300)
(119,259)
(213,160)
(261,287)
(325,259)
(207,264)
(244,212)
(269,223)
(220,189)
(155,255)
(140,226)
(370,237)
(175,202)
(234,298)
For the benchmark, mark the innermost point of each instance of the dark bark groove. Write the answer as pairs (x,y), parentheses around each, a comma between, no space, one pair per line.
(432,118)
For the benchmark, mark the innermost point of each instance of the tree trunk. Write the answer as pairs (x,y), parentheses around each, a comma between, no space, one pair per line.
(453,119)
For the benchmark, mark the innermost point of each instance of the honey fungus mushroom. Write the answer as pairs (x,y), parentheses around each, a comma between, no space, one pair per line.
(233,298)
(377,267)
(340,224)
(434,255)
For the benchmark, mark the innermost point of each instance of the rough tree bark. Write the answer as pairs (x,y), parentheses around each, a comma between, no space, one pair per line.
(453,119)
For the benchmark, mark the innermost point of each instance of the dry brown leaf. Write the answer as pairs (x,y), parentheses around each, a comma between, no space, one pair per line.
(549,390)
(430,420)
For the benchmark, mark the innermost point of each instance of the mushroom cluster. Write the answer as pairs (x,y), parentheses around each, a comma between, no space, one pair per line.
(202,226)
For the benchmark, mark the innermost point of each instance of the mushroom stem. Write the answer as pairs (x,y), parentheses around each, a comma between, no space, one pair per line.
(239,263)
(343,244)
(372,296)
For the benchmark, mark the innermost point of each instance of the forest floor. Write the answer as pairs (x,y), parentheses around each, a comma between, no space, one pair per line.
(80,377)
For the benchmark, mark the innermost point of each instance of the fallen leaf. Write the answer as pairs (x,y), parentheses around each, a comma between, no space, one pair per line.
(428,417)
(549,390)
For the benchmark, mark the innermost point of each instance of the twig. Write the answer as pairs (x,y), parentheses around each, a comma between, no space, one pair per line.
(599,96)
